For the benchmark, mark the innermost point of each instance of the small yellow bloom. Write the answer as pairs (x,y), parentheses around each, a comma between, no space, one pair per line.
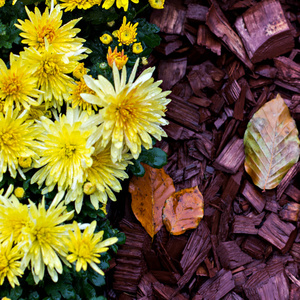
(157,4)
(2,3)
(19,192)
(144,61)
(120,3)
(25,162)
(127,33)
(5,298)
(137,48)
(89,188)
(115,33)
(118,57)
(80,70)
(106,39)
(85,248)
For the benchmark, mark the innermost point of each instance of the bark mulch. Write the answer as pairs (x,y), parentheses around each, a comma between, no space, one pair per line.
(222,60)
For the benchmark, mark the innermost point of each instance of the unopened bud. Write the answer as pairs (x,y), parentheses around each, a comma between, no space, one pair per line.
(89,188)
(19,192)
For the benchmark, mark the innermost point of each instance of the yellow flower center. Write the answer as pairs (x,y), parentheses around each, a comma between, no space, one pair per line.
(43,235)
(12,86)
(84,250)
(7,139)
(69,151)
(124,113)
(50,67)
(46,31)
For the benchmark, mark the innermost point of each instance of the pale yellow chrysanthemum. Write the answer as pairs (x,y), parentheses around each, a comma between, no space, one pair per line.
(78,88)
(66,149)
(13,218)
(137,48)
(106,38)
(18,86)
(48,25)
(103,176)
(127,33)
(10,263)
(85,248)
(157,4)
(119,58)
(44,245)
(17,139)
(132,111)
(51,69)
(120,3)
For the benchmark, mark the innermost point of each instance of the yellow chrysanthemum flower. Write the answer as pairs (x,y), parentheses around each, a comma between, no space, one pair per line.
(17,139)
(18,86)
(78,88)
(45,235)
(70,5)
(157,4)
(131,112)
(66,149)
(106,38)
(48,25)
(120,3)
(103,176)
(79,71)
(13,218)
(116,57)
(10,263)
(85,248)
(127,33)
(137,48)
(51,69)
(2,3)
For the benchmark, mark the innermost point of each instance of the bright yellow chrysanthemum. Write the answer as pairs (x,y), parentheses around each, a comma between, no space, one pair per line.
(127,33)
(137,48)
(66,149)
(48,25)
(85,248)
(17,139)
(10,263)
(157,4)
(79,71)
(119,58)
(70,5)
(13,218)
(51,69)
(18,86)
(2,3)
(106,39)
(44,245)
(103,176)
(78,88)
(131,112)
(120,3)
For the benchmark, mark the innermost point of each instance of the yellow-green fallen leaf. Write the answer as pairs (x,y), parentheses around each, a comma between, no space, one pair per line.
(271,144)
(183,210)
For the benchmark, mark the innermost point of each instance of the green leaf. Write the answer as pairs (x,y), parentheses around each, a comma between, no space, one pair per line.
(137,169)
(96,279)
(155,158)
(271,144)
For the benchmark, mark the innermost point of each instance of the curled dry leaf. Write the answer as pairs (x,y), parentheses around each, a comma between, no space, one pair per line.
(149,194)
(183,210)
(271,144)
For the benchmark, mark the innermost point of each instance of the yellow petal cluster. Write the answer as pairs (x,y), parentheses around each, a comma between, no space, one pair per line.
(157,4)
(127,33)
(120,3)
(18,86)
(132,112)
(85,248)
